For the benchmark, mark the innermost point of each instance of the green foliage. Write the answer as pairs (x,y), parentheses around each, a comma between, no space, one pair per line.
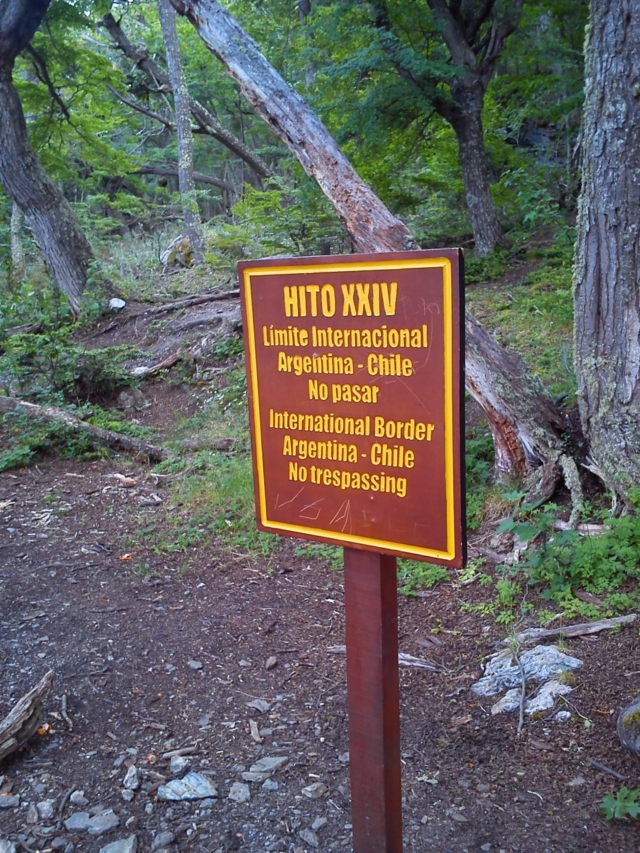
(535,315)
(28,437)
(286,219)
(216,498)
(415,575)
(506,603)
(331,555)
(622,804)
(50,367)
(562,562)
(479,462)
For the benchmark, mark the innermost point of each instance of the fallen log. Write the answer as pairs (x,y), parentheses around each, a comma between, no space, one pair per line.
(99,435)
(179,304)
(23,720)
(534,634)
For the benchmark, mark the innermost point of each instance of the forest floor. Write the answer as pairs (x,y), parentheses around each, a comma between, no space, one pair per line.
(228,661)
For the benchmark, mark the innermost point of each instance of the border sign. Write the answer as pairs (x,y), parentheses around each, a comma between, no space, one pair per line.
(355,381)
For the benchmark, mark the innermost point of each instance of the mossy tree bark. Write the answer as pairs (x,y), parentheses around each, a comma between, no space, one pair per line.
(51,218)
(524,421)
(182,111)
(607,262)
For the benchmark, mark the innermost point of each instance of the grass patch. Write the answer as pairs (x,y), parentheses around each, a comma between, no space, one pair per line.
(535,317)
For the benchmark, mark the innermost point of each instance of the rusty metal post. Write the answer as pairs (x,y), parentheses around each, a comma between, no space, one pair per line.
(371,602)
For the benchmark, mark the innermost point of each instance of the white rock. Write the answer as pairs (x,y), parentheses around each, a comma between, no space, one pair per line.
(116,304)
(124,845)
(239,793)
(46,809)
(509,702)
(78,798)
(545,698)
(7,846)
(178,765)
(269,764)
(131,779)
(309,837)
(562,716)
(193,786)
(260,705)
(539,664)
(318,823)
(315,791)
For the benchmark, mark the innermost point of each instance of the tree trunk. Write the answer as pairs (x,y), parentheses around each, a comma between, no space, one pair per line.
(17,250)
(182,112)
(522,417)
(51,219)
(467,126)
(607,262)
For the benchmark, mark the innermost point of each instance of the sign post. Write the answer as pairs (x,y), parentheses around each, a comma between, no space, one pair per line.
(355,397)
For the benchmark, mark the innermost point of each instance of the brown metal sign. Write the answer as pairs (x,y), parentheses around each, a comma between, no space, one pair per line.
(354,366)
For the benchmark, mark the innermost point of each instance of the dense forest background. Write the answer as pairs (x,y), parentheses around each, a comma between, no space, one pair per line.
(104,129)
(134,162)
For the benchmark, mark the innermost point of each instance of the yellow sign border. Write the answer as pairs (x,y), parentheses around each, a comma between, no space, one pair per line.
(447,303)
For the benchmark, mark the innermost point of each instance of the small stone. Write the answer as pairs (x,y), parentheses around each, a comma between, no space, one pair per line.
(485,847)
(7,846)
(272,662)
(194,664)
(178,765)
(193,786)
(270,785)
(127,795)
(124,845)
(244,663)
(78,822)
(103,822)
(251,776)
(318,823)
(149,808)
(578,782)
(58,843)
(9,801)
(562,716)
(309,837)
(315,790)
(46,809)
(163,839)
(132,778)
(116,304)
(628,727)
(343,758)
(269,764)
(69,848)
(32,815)
(260,705)
(239,793)
(78,798)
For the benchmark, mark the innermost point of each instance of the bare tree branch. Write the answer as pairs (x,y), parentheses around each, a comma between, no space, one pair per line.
(206,121)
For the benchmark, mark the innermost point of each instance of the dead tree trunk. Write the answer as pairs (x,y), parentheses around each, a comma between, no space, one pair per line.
(522,417)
